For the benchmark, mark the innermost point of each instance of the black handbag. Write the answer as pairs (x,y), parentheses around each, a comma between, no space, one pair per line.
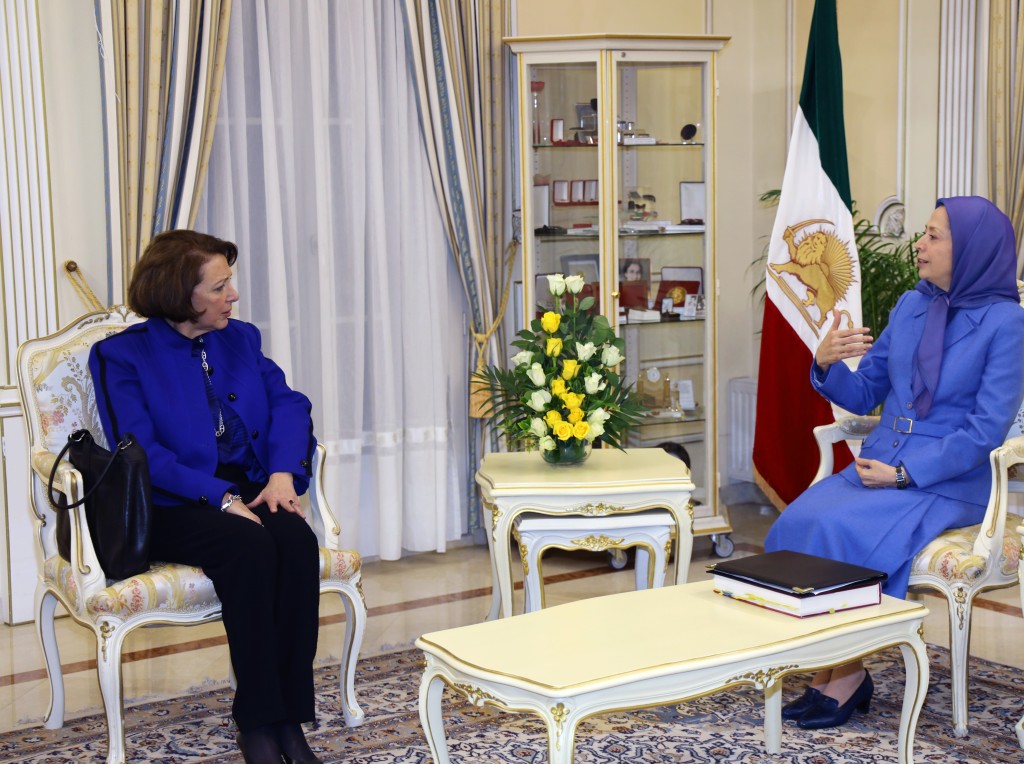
(117,502)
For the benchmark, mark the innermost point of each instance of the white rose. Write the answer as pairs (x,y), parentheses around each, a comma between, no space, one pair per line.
(537,427)
(536,375)
(556,284)
(596,431)
(610,355)
(585,352)
(547,443)
(574,284)
(522,358)
(594,383)
(598,417)
(539,400)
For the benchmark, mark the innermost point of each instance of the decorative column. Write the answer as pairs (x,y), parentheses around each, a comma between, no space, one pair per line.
(959,99)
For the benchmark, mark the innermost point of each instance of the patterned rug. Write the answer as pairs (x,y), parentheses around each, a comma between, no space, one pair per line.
(722,728)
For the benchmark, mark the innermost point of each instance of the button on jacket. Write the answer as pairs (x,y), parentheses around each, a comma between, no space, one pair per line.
(148,383)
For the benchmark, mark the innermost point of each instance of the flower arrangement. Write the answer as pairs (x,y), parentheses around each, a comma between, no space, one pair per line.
(563,392)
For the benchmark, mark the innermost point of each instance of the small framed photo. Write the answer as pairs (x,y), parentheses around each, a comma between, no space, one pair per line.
(557,130)
(692,203)
(590,190)
(587,266)
(576,192)
(560,192)
(635,269)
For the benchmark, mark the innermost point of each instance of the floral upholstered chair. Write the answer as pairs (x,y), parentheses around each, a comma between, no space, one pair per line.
(57,396)
(961,562)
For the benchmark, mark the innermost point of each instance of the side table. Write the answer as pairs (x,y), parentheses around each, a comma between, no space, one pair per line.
(608,482)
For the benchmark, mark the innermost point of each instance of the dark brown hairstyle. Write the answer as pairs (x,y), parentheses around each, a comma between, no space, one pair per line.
(168,271)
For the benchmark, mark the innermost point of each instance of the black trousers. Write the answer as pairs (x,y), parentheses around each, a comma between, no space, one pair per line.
(267,578)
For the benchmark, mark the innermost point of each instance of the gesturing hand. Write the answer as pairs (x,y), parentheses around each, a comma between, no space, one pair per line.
(279,493)
(842,343)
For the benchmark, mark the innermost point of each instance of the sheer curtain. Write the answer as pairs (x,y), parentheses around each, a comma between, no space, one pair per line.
(318,172)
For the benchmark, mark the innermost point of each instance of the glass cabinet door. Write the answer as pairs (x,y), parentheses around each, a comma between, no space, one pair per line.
(561,220)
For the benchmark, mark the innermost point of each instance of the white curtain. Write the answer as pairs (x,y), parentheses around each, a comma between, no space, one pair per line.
(318,172)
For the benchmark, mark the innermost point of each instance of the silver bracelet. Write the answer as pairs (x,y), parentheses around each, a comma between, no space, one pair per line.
(229,501)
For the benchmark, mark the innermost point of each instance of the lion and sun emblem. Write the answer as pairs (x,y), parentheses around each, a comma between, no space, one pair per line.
(820,261)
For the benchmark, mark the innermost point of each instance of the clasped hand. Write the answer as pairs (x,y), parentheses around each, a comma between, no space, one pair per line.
(875,474)
(840,344)
(278,493)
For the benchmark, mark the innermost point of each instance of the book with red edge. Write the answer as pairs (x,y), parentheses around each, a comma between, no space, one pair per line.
(798,584)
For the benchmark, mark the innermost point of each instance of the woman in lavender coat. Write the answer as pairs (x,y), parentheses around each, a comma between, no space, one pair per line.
(949,373)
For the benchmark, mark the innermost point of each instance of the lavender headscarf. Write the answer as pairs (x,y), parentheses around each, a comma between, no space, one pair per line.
(984,272)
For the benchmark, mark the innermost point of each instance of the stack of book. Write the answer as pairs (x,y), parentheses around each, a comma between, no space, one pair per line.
(798,584)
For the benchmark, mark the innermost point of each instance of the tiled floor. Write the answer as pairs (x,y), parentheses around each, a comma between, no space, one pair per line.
(407,598)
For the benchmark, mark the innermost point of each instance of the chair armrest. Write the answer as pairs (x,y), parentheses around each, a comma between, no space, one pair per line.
(990,537)
(844,428)
(318,501)
(85,565)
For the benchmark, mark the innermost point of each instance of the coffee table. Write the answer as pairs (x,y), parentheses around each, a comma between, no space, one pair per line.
(655,647)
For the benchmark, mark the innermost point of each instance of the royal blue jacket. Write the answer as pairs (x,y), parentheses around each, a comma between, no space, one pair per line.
(980,388)
(149,383)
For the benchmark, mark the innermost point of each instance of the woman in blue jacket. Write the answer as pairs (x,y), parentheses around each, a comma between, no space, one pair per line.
(229,446)
(949,371)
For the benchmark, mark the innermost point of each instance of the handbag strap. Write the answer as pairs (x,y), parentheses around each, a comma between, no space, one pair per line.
(81,435)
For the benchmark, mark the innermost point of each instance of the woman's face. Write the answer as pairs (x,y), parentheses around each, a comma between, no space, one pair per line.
(634,272)
(935,250)
(212,298)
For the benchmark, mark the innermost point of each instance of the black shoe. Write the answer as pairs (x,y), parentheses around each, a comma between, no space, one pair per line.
(828,713)
(259,745)
(294,747)
(797,708)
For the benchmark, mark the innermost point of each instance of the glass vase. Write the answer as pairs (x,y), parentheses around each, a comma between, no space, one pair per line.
(571,451)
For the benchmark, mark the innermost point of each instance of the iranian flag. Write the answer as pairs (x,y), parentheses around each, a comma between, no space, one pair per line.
(812,269)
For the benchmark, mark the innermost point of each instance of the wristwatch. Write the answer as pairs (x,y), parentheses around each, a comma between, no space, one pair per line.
(229,501)
(901,477)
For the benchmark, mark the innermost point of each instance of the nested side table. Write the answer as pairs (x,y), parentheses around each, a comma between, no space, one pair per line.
(609,482)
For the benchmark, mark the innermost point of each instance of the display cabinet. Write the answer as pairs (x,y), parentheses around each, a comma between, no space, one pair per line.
(616,140)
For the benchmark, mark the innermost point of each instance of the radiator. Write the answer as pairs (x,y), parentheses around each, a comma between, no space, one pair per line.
(742,394)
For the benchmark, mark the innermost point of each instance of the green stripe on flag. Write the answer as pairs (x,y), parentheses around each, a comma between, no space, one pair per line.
(821,97)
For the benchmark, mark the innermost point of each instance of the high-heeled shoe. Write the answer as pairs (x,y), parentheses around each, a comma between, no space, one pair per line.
(797,708)
(828,713)
(294,748)
(259,746)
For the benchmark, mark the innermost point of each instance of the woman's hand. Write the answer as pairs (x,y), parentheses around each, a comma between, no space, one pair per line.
(238,508)
(279,493)
(876,474)
(841,343)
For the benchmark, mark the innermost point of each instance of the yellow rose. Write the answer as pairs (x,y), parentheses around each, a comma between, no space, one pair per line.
(562,430)
(573,400)
(581,430)
(550,322)
(552,418)
(570,368)
(575,415)
(558,387)
(553,346)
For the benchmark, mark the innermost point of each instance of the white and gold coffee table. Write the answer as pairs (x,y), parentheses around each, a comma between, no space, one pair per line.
(609,482)
(655,647)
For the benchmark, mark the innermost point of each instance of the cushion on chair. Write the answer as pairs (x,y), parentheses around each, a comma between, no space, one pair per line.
(339,564)
(951,555)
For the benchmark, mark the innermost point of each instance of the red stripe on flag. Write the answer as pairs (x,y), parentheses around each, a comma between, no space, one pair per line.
(788,410)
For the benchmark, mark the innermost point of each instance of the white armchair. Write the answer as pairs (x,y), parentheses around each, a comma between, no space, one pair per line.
(959,563)
(57,395)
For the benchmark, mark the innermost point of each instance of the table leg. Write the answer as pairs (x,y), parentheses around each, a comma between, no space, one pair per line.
(915,660)
(1020,732)
(684,542)
(495,608)
(431,690)
(773,717)
(501,542)
(561,724)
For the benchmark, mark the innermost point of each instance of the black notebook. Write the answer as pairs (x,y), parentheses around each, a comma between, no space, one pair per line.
(798,584)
